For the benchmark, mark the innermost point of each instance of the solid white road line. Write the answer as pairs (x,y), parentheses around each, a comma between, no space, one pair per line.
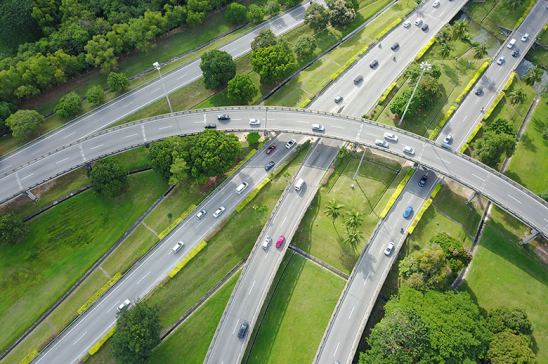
(143,132)
(251,289)
(62,160)
(68,135)
(336,349)
(27,176)
(79,338)
(96,146)
(515,199)
(82,152)
(142,278)
(165,127)
(351,312)
(130,136)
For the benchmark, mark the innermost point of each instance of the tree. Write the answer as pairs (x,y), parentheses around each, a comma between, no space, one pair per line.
(517,96)
(455,253)
(24,123)
(241,89)
(491,147)
(430,89)
(253,139)
(460,29)
(340,12)
(533,76)
(218,68)
(514,320)
(273,63)
(354,220)
(316,17)
(508,347)
(161,155)
(117,82)
(255,14)
(264,39)
(101,53)
(137,333)
(12,229)
(272,7)
(397,106)
(426,269)
(46,14)
(401,337)
(480,50)
(177,171)
(353,238)
(501,126)
(445,49)
(305,47)
(6,109)
(17,24)
(236,13)
(413,72)
(513,4)
(95,95)
(68,105)
(210,153)
(333,210)
(108,177)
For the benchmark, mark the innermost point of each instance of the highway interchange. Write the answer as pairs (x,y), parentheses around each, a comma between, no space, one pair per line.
(507,194)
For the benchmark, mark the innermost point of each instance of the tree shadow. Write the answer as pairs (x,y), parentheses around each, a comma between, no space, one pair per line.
(527,143)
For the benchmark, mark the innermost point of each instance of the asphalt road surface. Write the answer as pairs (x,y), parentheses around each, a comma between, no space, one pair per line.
(75,341)
(350,317)
(135,100)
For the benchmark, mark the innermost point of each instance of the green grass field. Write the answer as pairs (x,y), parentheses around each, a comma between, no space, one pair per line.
(61,245)
(297,314)
(492,14)
(506,274)
(529,165)
(374,183)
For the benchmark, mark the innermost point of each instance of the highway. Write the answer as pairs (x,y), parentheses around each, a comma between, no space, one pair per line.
(342,335)
(73,343)
(130,102)
(249,294)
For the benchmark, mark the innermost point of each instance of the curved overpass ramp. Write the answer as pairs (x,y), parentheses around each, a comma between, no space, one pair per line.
(498,188)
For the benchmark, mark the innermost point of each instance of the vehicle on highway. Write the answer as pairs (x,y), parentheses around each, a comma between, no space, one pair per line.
(395,46)
(423,180)
(210,126)
(243,329)
(447,141)
(338,99)
(266,243)
(124,304)
(389,249)
(223,117)
(219,211)
(406,24)
(290,143)
(525,37)
(425,27)
(318,127)
(391,136)
(374,63)
(436,4)
(270,149)
(381,143)
(408,211)
(479,91)
(201,214)
(418,22)
(515,53)
(409,150)
(241,187)
(500,61)
(269,166)
(254,122)
(280,241)
(358,79)
(177,248)
(511,43)
(299,185)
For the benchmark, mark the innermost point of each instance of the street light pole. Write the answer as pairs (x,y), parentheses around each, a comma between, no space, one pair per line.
(157,66)
(424,67)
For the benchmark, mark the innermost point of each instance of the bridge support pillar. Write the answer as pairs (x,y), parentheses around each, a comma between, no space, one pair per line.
(471,197)
(528,238)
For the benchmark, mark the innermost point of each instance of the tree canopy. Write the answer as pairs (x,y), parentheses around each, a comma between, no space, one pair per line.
(273,63)
(12,229)
(108,177)
(255,14)
(95,95)
(117,82)
(218,68)
(316,17)
(236,13)
(341,12)
(508,347)
(241,89)
(69,105)
(162,153)
(24,123)
(305,47)
(264,39)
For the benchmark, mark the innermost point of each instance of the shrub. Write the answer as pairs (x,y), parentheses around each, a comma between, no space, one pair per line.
(69,105)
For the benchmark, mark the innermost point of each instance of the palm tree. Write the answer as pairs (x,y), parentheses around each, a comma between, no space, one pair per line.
(480,50)
(460,29)
(517,96)
(446,49)
(533,76)
(513,3)
(354,220)
(333,210)
(353,238)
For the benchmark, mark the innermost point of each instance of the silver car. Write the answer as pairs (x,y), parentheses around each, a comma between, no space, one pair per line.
(381,143)
(389,249)
(318,127)
(219,211)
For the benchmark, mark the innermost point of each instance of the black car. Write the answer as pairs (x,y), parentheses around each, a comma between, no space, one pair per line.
(269,166)
(425,27)
(243,329)
(479,91)
(223,117)
(211,126)
(515,53)
(394,46)
(422,181)
(374,63)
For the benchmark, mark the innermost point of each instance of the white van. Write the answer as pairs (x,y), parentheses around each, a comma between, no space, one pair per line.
(299,185)
(241,188)
(511,44)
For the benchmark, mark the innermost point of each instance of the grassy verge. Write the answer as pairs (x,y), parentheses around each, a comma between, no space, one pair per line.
(375,182)
(297,314)
(506,274)
(61,245)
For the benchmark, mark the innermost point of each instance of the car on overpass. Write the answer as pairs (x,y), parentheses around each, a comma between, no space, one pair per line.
(223,117)
(280,241)
(389,249)
(408,212)
(243,329)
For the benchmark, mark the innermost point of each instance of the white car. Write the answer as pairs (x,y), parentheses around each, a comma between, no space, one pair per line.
(500,61)
(391,136)
(436,4)
(338,99)
(266,243)
(418,22)
(177,248)
(409,150)
(124,304)
(381,143)
(318,127)
(406,24)
(290,143)
(389,249)
(254,122)
(219,211)
(525,37)
(201,214)
(447,141)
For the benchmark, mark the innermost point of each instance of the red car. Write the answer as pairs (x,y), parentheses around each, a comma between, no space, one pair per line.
(280,241)
(271,149)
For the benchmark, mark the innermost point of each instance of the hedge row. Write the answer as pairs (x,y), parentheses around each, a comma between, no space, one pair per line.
(95,348)
(525,12)
(397,193)
(493,105)
(434,133)
(252,195)
(509,82)
(472,82)
(29,357)
(99,293)
(387,92)
(304,103)
(418,216)
(198,248)
(176,222)
(246,158)
(435,190)
(387,28)
(471,137)
(425,48)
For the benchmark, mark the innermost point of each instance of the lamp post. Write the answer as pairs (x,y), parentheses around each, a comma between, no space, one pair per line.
(424,67)
(157,66)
